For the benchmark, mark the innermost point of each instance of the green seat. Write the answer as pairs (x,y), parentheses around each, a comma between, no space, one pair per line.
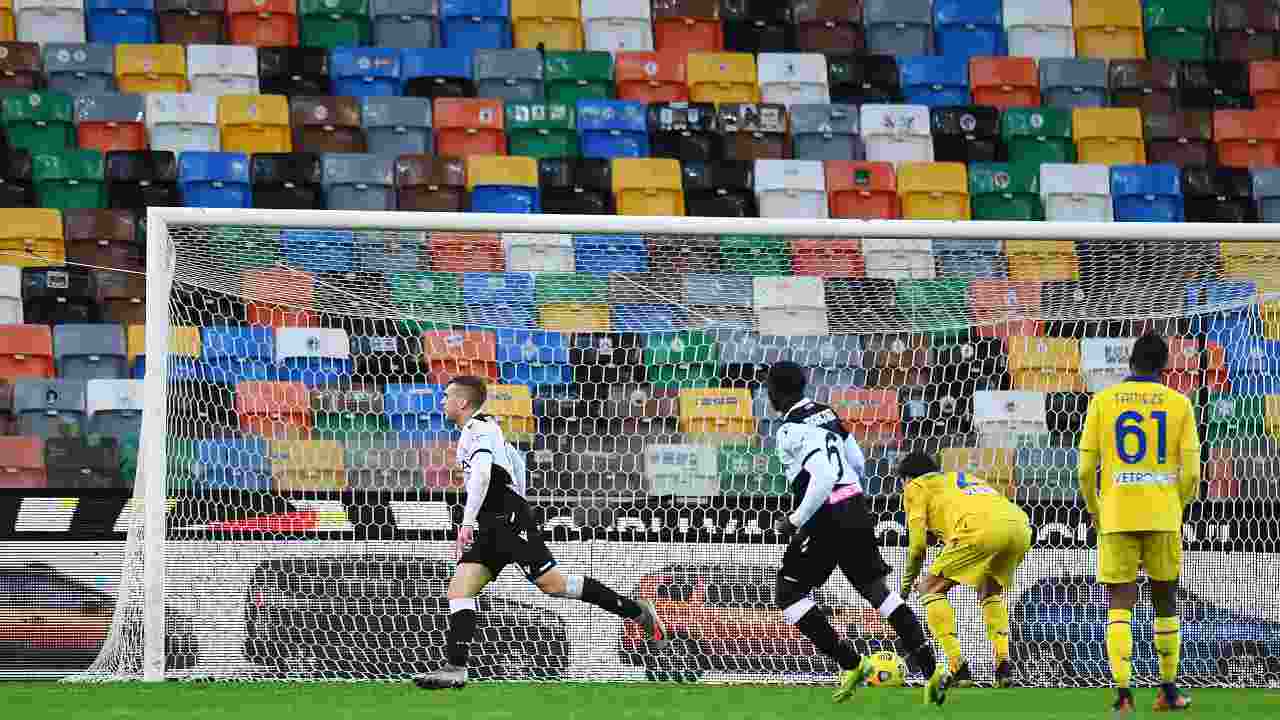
(1035,136)
(1178,29)
(333,23)
(682,360)
(181,462)
(749,470)
(1001,191)
(70,179)
(1234,416)
(341,425)
(39,122)
(755,254)
(938,308)
(541,130)
(426,295)
(570,288)
(572,76)
(1047,473)
(242,248)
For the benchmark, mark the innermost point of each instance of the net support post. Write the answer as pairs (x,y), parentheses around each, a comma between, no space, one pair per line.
(154,447)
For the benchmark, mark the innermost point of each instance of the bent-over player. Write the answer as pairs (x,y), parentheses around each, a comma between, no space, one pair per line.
(986,537)
(1146,435)
(498,529)
(833,526)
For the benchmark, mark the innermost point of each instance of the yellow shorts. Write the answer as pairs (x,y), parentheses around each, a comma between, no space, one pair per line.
(984,549)
(1121,554)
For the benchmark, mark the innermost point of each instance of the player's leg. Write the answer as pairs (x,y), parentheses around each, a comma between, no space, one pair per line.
(467,582)
(991,596)
(1162,558)
(941,617)
(1118,556)
(589,590)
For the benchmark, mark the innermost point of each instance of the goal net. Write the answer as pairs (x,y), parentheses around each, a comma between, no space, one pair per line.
(296,492)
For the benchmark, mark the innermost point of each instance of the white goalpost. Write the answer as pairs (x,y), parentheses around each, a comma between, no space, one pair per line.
(294,501)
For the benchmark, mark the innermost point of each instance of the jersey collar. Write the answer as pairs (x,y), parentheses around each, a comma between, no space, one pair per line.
(800,402)
(1142,378)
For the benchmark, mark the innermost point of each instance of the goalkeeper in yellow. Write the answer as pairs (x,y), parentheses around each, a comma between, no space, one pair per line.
(1139,465)
(985,535)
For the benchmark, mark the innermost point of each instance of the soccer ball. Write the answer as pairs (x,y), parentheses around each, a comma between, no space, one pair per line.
(887,670)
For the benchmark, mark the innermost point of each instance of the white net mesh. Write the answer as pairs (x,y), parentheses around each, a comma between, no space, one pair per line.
(310,467)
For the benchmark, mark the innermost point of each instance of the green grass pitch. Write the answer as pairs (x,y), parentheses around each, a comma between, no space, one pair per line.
(385,701)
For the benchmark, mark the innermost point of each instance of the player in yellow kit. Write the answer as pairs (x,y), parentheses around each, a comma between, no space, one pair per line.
(985,535)
(1139,465)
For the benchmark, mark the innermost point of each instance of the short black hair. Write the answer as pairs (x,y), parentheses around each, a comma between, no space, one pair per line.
(477,389)
(786,379)
(1150,354)
(915,464)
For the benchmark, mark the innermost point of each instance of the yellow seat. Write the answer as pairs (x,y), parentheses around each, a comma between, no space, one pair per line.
(308,465)
(934,190)
(8,29)
(1108,136)
(1256,261)
(151,68)
(32,237)
(513,406)
(1042,260)
(184,341)
(574,317)
(722,77)
(995,465)
(254,123)
(1045,364)
(512,170)
(553,24)
(1109,29)
(722,412)
(648,186)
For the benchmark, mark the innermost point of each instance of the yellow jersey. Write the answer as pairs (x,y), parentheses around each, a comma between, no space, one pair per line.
(936,503)
(1143,436)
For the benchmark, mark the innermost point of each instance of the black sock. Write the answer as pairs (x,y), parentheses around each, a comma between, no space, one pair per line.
(600,595)
(911,633)
(814,626)
(462,627)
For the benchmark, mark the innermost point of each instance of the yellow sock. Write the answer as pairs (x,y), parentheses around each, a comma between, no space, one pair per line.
(1120,645)
(1168,640)
(942,623)
(996,616)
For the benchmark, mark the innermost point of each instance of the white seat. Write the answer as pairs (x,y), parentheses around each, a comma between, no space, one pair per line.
(681,470)
(223,69)
(793,78)
(538,252)
(791,188)
(294,343)
(1039,28)
(1105,361)
(893,259)
(617,25)
(1076,192)
(104,396)
(49,21)
(896,133)
(787,290)
(792,320)
(183,121)
(10,295)
(1009,418)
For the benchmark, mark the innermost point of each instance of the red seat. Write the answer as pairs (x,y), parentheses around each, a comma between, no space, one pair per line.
(467,252)
(469,126)
(865,190)
(827,257)
(275,410)
(996,304)
(1004,82)
(26,351)
(22,465)
(447,354)
(688,26)
(652,77)
(263,23)
(1247,138)
(1264,83)
(279,297)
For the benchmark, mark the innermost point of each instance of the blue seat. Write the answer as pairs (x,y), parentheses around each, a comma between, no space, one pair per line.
(50,408)
(121,21)
(533,358)
(436,72)
(487,317)
(416,412)
(826,351)
(644,317)
(238,464)
(358,181)
(215,179)
(743,347)
(610,253)
(471,25)
(365,72)
(721,290)
(318,251)
(1147,193)
(968,28)
(612,128)
(497,288)
(934,80)
(405,23)
(1236,321)
(970,258)
(80,68)
(90,352)
(397,125)
(233,354)
(509,75)
(1253,365)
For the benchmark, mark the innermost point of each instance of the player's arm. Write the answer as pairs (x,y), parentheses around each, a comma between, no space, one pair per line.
(1087,472)
(477,483)
(1189,474)
(916,506)
(822,480)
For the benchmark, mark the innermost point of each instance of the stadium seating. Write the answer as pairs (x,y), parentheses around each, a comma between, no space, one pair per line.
(177,122)
(1218,195)
(38,122)
(1039,28)
(753,132)
(867,190)
(966,134)
(1179,29)
(263,23)
(1110,136)
(571,76)
(32,237)
(684,131)
(405,23)
(720,189)
(396,125)
(209,179)
(896,133)
(357,181)
(1247,138)
(791,188)
(110,122)
(365,72)
(965,28)
(1183,138)
(1108,28)
(933,191)
(1246,29)
(254,123)
(825,132)
(425,182)
(651,76)
(77,68)
(858,79)
(1076,192)
(1004,82)
(1005,191)
(436,72)
(326,124)
(1147,193)
(576,185)
(722,77)
(934,80)
(898,27)
(612,128)
(503,184)
(468,126)
(647,186)
(50,21)
(793,78)
(829,27)
(617,25)
(70,179)
(20,66)
(688,26)
(756,26)
(293,71)
(1213,85)
(508,75)
(1073,82)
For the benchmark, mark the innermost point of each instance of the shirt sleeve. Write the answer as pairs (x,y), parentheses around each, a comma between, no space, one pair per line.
(1087,473)
(1189,475)
(916,505)
(822,478)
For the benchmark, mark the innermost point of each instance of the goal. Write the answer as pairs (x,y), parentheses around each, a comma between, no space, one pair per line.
(295,496)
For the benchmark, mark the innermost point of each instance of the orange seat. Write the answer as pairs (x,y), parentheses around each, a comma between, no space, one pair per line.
(262,23)
(873,416)
(22,465)
(111,130)
(827,257)
(652,77)
(447,354)
(1247,138)
(1001,308)
(274,410)
(688,26)
(863,190)
(467,252)
(26,351)
(469,126)
(1264,83)
(1183,371)
(8,27)
(1004,82)
(279,297)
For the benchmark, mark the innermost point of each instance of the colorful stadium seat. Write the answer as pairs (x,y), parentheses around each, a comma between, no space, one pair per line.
(1264,83)
(1183,138)
(191,22)
(651,77)
(38,121)
(1149,85)
(933,191)
(508,75)
(756,26)
(53,296)
(753,132)
(15,171)
(396,125)
(867,190)
(10,295)
(331,24)
(719,189)
(466,252)
(49,408)
(617,25)
(546,24)
(898,27)
(1247,29)
(722,77)
(1108,29)
(436,72)
(469,126)
(254,123)
(405,23)
(77,68)
(1005,191)
(1179,29)
(214,179)
(571,76)
(469,25)
(688,26)
(541,130)
(1146,193)
(829,27)
(503,184)
(1109,136)
(896,133)
(1266,193)
(426,182)
(326,124)
(1220,85)
(110,122)
(222,69)
(1247,138)
(121,297)
(538,252)
(138,179)
(365,72)
(151,68)
(647,186)
(1218,195)
(88,352)
(1075,192)
(684,131)
(8,26)
(26,351)
(1039,28)
(1004,82)
(791,188)
(825,132)
(967,29)
(32,237)
(612,128)
(1073,82)
(121,21)
(793,78)
(293,71)
(263,23)
(24,466)
(178,122)
(280,295)
(858,79)
(20,66)
(357,181)
(966,134)
(286,180)
(70,178)
(933,80)
(50,21)
(576,186)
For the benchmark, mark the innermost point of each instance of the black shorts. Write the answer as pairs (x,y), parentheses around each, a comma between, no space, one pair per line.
(501,540)
(810,558)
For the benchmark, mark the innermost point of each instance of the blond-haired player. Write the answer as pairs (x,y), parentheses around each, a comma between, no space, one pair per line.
(1139,465)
